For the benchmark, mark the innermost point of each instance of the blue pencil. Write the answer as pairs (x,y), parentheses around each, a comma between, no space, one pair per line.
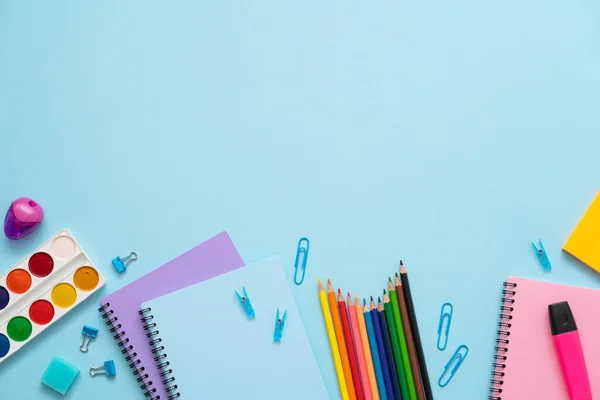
(375,353)
(389,350)
(385,366)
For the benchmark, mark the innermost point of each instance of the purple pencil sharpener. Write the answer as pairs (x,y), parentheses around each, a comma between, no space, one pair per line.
(23,216)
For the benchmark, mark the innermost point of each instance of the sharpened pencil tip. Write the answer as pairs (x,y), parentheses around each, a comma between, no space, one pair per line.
(401,263)
(379,299)
(390,279)
(339,291)
(364,302)
(349,294)
(396,274)
(384,291)
(329,281)
(371,298)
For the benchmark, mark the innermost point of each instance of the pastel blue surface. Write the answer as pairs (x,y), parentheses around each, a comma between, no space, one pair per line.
(60,375)
(217,352)
(448,134)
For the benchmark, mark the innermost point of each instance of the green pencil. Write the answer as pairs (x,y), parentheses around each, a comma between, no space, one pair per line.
(389,315)
(402,339)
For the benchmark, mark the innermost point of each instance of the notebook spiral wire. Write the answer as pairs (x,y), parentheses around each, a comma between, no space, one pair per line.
(502,340)
(160,357)
(127,351)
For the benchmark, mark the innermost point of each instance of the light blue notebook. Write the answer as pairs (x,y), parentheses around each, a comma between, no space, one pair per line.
(210,349)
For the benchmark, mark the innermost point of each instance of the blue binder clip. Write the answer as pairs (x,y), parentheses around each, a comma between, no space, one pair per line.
(444,316)
(121,264)
(457,359)
(542,256)
(279,324)
(303,245)
(246,304)
(108,369)
(89,333)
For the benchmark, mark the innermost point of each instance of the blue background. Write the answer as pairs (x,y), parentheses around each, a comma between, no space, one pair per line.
(448,134)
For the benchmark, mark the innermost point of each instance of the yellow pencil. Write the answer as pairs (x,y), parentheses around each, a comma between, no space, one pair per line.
(335,351)
(365,342)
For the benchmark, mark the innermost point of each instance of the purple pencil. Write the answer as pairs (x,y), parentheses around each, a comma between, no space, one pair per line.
(389,388)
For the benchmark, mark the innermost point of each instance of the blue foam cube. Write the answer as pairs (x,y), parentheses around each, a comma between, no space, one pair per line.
(60,375)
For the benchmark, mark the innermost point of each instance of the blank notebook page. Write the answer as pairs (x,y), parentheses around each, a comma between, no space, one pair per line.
(216,352)
(532,368)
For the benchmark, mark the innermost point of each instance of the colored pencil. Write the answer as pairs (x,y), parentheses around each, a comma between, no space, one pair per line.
(339,334)
(389,350)
(335,351)
(393,332)
(364,339)
(373,356)
(397,319)
(349,345)
(359,349)
(415,330)
(383,355)
(410,341)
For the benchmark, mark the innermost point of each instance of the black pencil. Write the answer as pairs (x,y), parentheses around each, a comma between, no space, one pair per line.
(415,330)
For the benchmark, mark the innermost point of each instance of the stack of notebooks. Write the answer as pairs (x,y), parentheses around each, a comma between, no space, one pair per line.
(186,336)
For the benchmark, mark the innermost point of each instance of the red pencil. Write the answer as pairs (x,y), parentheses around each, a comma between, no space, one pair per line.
(350,347)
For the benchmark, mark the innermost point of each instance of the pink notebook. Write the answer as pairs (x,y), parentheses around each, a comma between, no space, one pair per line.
(121,309)
(529,368)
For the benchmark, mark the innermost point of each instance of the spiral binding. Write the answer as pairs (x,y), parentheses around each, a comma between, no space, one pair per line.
(128,351)
(160,356)
(502,340)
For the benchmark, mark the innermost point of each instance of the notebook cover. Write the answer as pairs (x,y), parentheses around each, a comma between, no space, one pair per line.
(216,352)
(584,243)
(532,368)
(214,257)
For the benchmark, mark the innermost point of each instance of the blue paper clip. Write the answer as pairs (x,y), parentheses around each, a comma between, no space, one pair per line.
(108,368)
(246,304)
(121,264)
(279,324)
(444,315)
(302,251)
(542,256)
(456,359)
(89,333)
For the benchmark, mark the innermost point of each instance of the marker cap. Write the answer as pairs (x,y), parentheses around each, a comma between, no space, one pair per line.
(561,318)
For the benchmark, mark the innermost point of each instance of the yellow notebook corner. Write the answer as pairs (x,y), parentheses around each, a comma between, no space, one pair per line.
(584,243)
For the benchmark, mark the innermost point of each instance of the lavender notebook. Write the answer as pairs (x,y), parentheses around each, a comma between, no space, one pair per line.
(214,257)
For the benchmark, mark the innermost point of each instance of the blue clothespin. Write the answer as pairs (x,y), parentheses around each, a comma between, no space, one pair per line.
(456,359)
(542,256)
(121,263)
(303,246)
(89,333)
(444,316)
(279,324)
(246,304)
(108,368)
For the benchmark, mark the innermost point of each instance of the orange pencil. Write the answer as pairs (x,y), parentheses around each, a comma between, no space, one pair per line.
(358,348)
(364,338)
(339,334)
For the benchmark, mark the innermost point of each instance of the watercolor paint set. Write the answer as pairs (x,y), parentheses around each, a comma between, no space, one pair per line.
(41,288)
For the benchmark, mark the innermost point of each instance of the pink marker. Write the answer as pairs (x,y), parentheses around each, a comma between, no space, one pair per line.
(570,354)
